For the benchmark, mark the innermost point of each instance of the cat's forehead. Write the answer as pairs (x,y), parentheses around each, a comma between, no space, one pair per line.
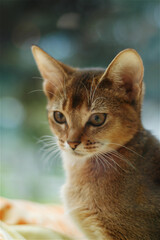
(80,87)
(81,92)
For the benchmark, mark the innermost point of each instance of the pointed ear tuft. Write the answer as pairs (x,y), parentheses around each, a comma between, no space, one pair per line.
(53,72)
(126,70)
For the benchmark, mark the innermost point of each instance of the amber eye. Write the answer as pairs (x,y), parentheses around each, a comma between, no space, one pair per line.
(59,117)
(97,119)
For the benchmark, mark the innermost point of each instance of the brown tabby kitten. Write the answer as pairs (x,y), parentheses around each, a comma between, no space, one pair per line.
(112,163)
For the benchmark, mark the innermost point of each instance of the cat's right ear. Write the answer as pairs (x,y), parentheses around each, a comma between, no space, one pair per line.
(53,72)
(126,71)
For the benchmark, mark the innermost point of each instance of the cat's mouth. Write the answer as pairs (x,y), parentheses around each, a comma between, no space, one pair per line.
(81,154)
(78,154)
(80,151)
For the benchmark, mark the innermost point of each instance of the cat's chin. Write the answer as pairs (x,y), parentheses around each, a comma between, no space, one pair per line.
(76,155)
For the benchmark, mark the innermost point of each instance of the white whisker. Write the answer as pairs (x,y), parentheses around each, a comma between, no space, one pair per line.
(120,156)
(91,89)
(64,88)
(110,158)
(54,86)
(40,90)
(92,98)
(49,150)
(93,103)
(104,163)
(127,149)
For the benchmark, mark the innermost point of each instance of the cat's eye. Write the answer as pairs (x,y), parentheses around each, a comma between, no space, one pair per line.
(97,119)
(59,117)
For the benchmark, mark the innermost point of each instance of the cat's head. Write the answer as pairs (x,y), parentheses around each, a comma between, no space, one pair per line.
(93,110)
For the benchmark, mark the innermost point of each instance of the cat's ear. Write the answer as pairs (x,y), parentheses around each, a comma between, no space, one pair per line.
(126,70)
(53,72)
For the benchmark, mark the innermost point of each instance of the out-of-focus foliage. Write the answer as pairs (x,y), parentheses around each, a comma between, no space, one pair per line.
(80,33)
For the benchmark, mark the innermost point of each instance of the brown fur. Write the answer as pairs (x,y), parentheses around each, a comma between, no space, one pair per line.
(112,189)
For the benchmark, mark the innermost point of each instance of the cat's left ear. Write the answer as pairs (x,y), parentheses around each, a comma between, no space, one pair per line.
(126,70)
(53,72)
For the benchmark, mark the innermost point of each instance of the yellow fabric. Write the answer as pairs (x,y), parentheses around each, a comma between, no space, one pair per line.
(25,220)
(24,232)
(6,233)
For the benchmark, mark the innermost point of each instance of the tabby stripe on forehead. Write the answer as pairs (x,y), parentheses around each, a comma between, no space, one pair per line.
(83,88)
(76,96)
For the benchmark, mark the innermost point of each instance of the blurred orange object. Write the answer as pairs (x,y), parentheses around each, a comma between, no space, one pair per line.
(18,212)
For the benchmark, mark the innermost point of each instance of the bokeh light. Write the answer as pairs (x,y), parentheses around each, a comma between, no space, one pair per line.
(12,114)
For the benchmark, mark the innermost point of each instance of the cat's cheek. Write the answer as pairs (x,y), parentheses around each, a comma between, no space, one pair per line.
(58,130)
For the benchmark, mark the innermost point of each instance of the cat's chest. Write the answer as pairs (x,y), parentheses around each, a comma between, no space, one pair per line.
(83,208)
(76,196)
(87,187)
(90,199)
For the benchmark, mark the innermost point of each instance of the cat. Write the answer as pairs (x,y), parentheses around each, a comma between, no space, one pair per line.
(112,164)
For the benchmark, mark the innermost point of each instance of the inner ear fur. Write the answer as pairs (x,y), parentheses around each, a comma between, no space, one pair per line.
(53,71)
(126,70)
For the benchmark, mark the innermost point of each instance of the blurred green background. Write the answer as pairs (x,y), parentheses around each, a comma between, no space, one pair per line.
(80,33)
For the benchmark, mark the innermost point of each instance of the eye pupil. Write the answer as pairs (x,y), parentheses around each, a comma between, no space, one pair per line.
(96,118)
(60,115)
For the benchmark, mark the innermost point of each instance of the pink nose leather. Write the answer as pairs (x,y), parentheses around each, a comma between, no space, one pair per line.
(73,145)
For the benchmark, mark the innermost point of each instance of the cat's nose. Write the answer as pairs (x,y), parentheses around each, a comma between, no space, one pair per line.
(73,144)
